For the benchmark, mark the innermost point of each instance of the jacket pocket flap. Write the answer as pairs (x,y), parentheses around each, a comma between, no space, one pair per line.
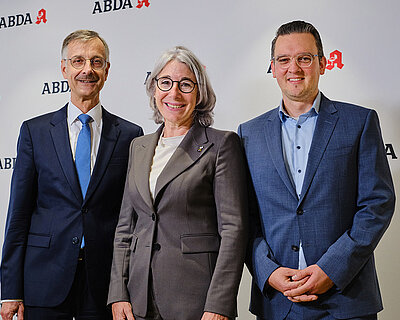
(198,243)
(35,240)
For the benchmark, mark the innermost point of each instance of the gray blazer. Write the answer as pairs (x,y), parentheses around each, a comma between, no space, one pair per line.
(193,237)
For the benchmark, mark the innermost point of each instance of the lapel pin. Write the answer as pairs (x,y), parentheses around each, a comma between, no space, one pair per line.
(200,149)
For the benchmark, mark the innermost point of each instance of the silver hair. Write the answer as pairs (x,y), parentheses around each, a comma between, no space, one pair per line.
(205,102)
(83,35)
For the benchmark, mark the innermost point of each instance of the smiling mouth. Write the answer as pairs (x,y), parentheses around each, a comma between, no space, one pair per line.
(174,106)
(295,79)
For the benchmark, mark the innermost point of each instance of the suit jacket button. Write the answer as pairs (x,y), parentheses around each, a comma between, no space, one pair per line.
(295,248)
(84,210)
(153,217)
(75,240)
(299,212)
(156,246)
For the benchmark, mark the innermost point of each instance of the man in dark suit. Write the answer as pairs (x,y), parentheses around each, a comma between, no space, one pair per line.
(66,194)
(324,193)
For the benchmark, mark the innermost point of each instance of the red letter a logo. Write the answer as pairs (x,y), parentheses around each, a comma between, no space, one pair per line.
(41,16)
(335,58)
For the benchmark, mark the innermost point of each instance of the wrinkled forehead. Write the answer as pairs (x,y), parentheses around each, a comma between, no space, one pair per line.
(86,48)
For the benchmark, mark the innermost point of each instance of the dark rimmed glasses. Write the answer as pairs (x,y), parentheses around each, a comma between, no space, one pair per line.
(184,85)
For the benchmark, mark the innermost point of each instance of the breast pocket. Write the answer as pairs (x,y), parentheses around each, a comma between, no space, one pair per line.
(341,152)
(118,161)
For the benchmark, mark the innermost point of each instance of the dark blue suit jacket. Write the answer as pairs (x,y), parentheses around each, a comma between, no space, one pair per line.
(47,215)
(346,204)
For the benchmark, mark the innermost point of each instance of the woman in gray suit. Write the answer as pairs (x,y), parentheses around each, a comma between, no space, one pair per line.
(180,241)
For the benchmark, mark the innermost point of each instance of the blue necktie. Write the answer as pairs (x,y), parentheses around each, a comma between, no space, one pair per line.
(82,156)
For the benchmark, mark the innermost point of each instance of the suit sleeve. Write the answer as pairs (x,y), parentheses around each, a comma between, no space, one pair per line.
(231,202)
(22,202)
(118,290)
(259,258)
(375,206)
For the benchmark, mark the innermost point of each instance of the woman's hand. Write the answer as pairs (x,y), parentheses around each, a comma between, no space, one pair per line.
(213,316)
(122,311)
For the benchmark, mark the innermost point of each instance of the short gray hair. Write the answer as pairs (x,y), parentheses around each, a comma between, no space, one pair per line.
(203,112)
(83,35)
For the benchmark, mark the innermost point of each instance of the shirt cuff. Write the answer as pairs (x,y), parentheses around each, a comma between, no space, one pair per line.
(11,300)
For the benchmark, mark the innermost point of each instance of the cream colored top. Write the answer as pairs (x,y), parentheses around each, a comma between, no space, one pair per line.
(164,150)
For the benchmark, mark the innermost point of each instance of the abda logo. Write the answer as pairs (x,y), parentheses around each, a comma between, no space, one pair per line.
(116,5)
(22,19)
(56,87)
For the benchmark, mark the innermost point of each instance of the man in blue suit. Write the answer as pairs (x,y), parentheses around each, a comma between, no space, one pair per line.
(323,193)
(66,194)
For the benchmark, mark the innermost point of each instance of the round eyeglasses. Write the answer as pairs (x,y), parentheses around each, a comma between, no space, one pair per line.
(184,85)
(303,60)
(78,62)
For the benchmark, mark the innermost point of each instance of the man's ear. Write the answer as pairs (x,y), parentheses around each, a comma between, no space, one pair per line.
(322,65)
(64,68)
(107,69)
(272,65)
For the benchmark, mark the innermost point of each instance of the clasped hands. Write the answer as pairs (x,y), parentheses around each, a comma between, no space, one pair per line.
(300,285)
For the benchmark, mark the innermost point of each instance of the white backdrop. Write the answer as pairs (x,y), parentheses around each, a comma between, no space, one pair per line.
(233,40)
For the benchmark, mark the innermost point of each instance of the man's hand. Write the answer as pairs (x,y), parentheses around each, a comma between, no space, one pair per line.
(286,280)
(122,310)
(317,283)
(9,308)
(213,316)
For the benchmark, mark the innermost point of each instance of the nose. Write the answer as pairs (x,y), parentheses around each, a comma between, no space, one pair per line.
(293,66)
(174,91)
(87,68)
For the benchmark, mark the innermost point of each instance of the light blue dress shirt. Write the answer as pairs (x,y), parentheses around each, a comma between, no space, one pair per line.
(297,136)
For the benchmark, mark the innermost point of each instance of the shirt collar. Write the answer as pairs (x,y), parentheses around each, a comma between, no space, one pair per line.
(95,113)
(314,109)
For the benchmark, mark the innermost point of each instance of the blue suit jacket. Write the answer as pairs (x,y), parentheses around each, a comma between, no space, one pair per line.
(346,204)
(47,215)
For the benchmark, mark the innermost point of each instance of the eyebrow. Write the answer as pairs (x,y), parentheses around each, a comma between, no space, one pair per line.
(80,56)
(183,78)
(286,55)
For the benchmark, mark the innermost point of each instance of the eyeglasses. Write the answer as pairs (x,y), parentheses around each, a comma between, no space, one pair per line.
(166,84)
(303,60)
(78,62)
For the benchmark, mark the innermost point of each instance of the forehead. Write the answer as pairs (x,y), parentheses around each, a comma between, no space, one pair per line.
(290,44)
(90,48)
(177,69)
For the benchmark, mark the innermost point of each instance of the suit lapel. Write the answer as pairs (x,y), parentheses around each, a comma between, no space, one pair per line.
(109,137)
(60,136)
(192,147)
(273,136)
(143,155)
(324,128)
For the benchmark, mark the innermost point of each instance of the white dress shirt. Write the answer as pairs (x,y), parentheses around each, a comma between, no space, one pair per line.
(75,126)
